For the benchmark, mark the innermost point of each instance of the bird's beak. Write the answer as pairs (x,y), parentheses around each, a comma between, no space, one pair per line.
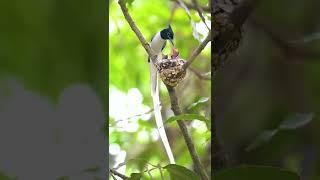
(172,44)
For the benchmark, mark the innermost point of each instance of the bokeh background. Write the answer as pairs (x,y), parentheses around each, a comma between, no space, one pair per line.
(133,137)
(53,57)
(274,74)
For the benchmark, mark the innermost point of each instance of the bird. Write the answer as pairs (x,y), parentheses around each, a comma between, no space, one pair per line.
(158,43)
(159,40)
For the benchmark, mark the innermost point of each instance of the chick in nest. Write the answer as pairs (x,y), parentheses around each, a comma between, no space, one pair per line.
(172,70)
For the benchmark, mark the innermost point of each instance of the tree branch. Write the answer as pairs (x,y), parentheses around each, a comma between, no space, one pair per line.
(118,174)
(136,30)
(195,158)
(199,75)
(199,10)
(191,6)
(198,50)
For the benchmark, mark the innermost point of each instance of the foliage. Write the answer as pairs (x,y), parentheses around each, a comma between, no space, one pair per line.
(179,172)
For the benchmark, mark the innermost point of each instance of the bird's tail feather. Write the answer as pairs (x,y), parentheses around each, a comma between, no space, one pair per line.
(154,85)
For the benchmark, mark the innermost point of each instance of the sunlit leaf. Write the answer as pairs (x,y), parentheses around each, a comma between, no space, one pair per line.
(256,173)
(202,101)
(296,120)
(135,176)
(180,173)
(262,138)
(187,117)
(129,2)
(207,135)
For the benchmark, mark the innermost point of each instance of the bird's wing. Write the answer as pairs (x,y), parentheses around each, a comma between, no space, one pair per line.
(164,45)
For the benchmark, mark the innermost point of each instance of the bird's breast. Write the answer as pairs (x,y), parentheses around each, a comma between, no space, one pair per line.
(157,43)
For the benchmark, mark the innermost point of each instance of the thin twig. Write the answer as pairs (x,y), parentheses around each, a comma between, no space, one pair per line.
(136,30)
(113,177)
(195,158)
(191,6)
(199,10)
(137,115)
(161,174)
(199,75)
(118,174)
(198,50)
(149,173)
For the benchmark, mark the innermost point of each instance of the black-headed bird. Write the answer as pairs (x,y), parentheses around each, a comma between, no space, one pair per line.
(159,40)
(158,43)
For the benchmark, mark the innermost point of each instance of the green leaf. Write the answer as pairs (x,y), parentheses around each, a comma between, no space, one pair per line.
(135,176)
(180,173)
(207,135)
(296,120)
(186,117)
(129,2)
(194,106)
(256,173)
(262,138)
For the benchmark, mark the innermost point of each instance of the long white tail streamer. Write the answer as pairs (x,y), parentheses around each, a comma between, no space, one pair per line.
(154,85)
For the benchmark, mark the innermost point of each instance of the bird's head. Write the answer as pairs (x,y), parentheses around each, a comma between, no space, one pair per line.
(167,34)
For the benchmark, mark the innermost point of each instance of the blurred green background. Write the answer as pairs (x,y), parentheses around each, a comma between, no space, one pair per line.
(133,136)
(48,45)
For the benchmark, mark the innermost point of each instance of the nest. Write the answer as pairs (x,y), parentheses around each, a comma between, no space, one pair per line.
(171,71)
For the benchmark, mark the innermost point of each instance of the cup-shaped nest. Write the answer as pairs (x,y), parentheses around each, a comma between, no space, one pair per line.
(171,71)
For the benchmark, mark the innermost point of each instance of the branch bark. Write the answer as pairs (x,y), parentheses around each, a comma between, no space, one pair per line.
(118,174)
(135,29)
(199,10)
(200,75)
(221,39)
(191,6)
(198,50)
(177,111)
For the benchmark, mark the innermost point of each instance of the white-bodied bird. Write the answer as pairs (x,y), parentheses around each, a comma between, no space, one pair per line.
(158,42)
